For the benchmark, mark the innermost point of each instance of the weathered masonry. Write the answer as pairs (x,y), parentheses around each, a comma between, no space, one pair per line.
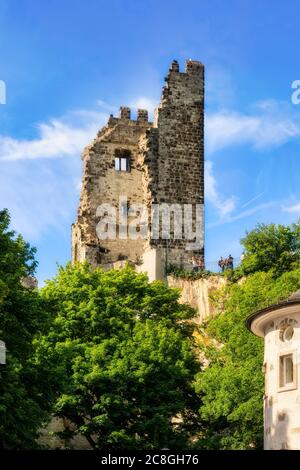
(134,162)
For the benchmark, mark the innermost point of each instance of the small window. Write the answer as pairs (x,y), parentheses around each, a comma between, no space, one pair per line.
(286,333)
(286,371)
(121,164)
(122,160)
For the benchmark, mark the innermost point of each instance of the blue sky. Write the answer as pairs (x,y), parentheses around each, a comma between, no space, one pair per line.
(67,64)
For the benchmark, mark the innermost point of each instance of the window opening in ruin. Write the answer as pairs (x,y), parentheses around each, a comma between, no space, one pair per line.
(122,160)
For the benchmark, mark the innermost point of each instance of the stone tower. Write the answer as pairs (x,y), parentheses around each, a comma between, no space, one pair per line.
(145,173)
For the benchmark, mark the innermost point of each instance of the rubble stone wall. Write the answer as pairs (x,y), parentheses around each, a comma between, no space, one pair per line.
(165,167)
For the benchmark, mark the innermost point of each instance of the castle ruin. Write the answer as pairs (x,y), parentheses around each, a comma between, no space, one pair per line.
(140,164)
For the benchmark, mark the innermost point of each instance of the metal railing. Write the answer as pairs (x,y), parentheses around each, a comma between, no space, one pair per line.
(212,266)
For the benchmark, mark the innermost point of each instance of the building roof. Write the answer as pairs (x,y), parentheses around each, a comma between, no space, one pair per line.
(292,300)
(295,295)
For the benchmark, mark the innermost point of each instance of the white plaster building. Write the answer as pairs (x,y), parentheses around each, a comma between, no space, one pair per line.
(279,325)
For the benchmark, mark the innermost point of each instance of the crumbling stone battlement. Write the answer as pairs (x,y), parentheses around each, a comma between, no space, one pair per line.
(148,163)
(125,113)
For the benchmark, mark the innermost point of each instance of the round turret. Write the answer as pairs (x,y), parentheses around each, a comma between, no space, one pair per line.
(279,325)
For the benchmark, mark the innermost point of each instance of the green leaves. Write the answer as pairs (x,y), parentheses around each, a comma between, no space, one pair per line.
(122,358)
(23,407)
(115,356)
(271,247)
(232,385)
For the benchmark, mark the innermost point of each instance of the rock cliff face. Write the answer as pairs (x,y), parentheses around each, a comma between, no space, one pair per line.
(196,294)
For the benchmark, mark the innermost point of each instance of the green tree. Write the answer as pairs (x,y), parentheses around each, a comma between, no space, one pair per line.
(232,385)
(22,409)
(121,359)
(271,247)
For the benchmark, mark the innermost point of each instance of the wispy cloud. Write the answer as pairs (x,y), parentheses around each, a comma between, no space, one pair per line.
(65,136)
(244,214)
(107,107)
(224,206)
(144,102)
(269,124)
(39,178)
(253,199)
(293,209)
(40,195)
(57,138)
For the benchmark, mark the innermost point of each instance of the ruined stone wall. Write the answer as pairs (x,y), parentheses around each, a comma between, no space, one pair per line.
(103,184)
(166,167)
(179,164)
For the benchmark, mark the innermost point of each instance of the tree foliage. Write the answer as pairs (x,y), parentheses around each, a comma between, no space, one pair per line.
(115,356)
(271,247)
(232,385)
(120,358)
(22,409)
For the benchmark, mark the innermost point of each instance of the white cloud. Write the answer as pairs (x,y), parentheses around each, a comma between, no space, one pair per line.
(107,107)
(40,195)
(270,124)
(40,177)
(58,138)
(250,201)
(294,209)
(244,214)
(62,137)
(224,206)
(143,102)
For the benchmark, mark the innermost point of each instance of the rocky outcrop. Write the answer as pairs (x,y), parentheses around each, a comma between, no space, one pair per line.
(197,292)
